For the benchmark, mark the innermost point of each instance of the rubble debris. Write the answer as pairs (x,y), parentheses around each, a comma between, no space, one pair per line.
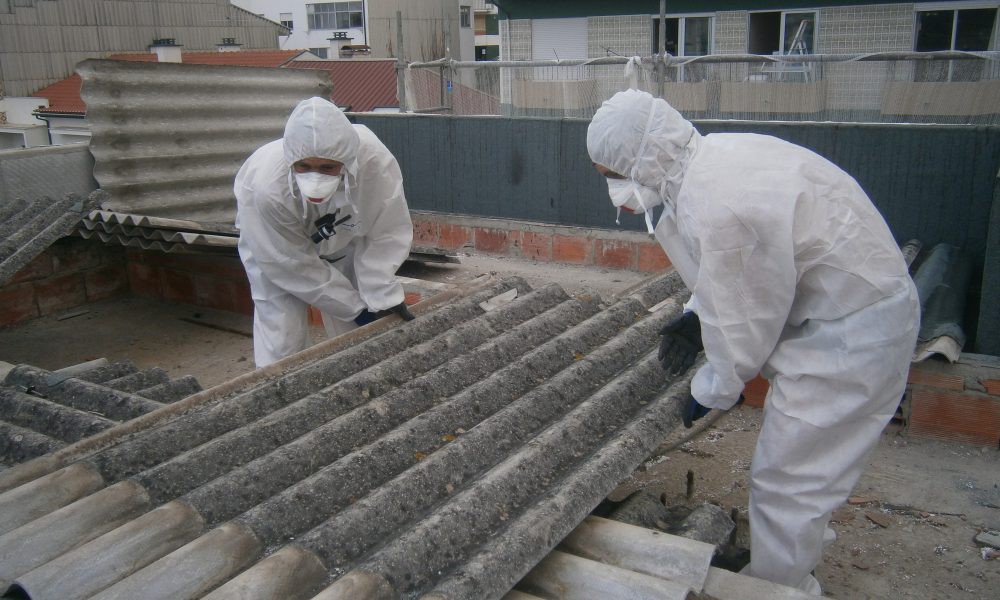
(988,538)
(879,519)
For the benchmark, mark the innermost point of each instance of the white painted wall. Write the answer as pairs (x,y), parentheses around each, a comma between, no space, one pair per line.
(19,109)
(301,36)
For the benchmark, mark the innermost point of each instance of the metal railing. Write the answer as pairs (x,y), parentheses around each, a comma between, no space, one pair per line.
(885,87)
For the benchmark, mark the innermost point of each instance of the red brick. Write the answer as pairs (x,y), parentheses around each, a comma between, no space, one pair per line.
(105,282)
(425,234)
(60,293)
(568,249)
(919,376)
(144,279)
(992,386)
(243,299)
(971,418)
(38,268)
(17,303)
(410,298)
(496,241)
(652,258)
(755,392)
(614,254)
(226,267)
(215,293)
(453,237)
(536,246)
(71,254)
(178,286)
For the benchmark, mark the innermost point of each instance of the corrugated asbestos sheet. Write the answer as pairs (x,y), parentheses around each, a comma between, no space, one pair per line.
(443,456)
(28,227)
(169,138)
(42,411)
(155,233)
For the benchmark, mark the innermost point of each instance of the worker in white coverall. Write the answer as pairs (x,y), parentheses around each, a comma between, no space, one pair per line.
(323,222)
(793,274)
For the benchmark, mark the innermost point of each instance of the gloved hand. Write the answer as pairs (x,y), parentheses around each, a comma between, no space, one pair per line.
(368,316)
(680,343)
(693,410)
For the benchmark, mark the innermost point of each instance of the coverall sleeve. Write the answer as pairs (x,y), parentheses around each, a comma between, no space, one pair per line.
(387,242)
(288,258)
(743,295)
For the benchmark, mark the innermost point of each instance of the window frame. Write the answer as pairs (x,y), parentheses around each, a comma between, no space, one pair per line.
(781,26)
(464,16)
(335,14)
(954,7)
(682,31)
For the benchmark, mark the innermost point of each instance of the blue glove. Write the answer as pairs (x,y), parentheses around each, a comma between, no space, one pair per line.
(365,317)
(368,316)
(694,411)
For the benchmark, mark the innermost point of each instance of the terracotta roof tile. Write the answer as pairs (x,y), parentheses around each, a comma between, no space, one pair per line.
(358,85)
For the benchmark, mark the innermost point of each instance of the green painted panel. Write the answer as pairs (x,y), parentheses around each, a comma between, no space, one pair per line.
(531,9)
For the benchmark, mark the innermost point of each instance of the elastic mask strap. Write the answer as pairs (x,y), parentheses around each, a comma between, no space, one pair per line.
(643,142)
(649,221)
(618,215)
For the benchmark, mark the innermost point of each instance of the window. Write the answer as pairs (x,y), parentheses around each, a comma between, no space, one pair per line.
(465,16)
(320,52)
(971,29)
(336,15)
(782,33)
(695,31)
(286,20)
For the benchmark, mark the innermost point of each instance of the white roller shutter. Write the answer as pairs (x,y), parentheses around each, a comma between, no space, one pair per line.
(558,38)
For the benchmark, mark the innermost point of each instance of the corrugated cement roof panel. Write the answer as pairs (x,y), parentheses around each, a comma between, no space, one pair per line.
(42,411)
(169,138)
(28,227)
(445,456)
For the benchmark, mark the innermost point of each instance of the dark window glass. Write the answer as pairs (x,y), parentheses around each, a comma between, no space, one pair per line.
(974,29)
(934,30)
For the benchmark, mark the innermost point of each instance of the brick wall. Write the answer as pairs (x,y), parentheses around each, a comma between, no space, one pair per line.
(70,273)
(954,402)
(201,279)
(543,243)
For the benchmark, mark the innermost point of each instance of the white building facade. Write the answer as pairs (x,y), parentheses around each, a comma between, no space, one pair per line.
(321,27)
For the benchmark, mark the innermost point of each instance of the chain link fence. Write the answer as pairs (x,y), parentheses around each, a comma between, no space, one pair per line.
(899,87)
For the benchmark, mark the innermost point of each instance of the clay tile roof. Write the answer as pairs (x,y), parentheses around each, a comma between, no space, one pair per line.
(358,85)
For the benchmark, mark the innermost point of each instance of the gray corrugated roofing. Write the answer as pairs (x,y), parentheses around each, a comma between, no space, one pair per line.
(169,138)
(28,227)
(42,411)
(446,455)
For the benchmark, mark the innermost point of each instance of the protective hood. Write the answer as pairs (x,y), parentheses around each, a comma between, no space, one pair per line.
(317,128)
(643,138)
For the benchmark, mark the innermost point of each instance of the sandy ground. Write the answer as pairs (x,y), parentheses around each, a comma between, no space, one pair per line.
(931,498)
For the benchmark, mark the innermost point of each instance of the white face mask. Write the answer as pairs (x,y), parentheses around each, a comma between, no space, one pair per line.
(317,187)
(631,196)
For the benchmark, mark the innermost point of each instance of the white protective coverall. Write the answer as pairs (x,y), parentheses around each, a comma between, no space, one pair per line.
(793,274)
(286,269)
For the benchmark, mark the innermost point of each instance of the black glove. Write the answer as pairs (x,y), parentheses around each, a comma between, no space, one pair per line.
(680,343)
(368,316)
(693,410)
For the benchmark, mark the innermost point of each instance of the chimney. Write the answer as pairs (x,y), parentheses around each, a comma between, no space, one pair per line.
(228,45)
(337,42)
(166,50)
